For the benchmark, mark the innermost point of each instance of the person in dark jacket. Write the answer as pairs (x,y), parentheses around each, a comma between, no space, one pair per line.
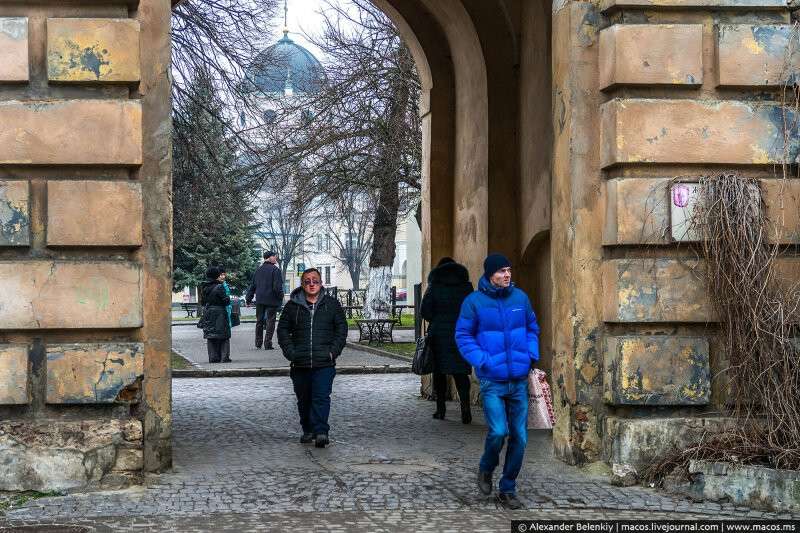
(312,333)
(267,287)
(448,285)
(215,322)
(498,334)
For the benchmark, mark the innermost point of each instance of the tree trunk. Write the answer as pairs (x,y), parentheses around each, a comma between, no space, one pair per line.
(384,229)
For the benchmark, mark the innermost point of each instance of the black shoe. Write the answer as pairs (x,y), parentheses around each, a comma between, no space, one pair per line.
(438,415)
(466,415)
(509,501)
(268,347)
(321,440)
(258,346)
(307,438)
(485,482)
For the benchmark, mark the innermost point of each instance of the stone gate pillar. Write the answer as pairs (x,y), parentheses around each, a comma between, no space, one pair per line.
(85,236)
(647,91)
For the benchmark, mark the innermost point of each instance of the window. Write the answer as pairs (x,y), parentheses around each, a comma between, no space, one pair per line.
(320,243)
(270,116)
(327,275)
(327,242)
(351,242)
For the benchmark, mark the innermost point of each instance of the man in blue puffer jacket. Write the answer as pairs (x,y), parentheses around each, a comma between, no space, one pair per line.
(498,334)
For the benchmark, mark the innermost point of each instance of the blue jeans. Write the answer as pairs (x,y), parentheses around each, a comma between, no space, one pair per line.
(313,387)
(505,407)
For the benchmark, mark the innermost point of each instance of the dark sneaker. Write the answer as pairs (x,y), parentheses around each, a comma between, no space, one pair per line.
(466,416)
(269,347)
(509,501)
(307,438)
(321,440)
(485,482)
(438,415)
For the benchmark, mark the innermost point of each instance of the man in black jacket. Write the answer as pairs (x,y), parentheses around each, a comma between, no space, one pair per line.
(312,333)
(267,286)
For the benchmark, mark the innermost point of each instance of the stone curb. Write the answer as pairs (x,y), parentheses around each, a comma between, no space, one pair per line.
(187,323)
(377,351)
(275,372)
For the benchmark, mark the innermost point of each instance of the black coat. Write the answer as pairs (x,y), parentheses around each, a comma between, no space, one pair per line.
(267,286)
(308,343)
(215,315)
(448,285)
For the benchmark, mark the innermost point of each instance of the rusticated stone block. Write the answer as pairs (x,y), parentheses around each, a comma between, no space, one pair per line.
(651,54)
(638,442)
(782,198)
(607,5)
(750,55)
(637,211)
(13,49)
(13,374)
(94,213)
(15,220)
(92,373)
(86,50)
(654,290)
(56,454)
(71,132)
(68,295)
(657,370)
(689,131)
(129,459)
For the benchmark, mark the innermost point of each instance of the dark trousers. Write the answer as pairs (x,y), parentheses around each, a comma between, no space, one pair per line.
(313,386)
(265,316)
(440,388)
(219,350)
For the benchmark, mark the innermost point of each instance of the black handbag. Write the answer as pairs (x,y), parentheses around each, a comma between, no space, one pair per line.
(423,357)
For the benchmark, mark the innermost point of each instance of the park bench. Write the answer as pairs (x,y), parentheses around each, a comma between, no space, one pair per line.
(190,308)
(377,330)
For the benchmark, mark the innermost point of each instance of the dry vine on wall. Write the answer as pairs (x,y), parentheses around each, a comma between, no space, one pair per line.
(758,308)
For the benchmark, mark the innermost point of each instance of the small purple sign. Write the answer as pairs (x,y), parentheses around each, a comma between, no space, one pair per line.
(680,195)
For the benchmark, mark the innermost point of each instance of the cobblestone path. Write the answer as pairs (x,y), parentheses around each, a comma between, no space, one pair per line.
(239,467)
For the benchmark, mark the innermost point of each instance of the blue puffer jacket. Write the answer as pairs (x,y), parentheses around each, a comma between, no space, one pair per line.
(497,332)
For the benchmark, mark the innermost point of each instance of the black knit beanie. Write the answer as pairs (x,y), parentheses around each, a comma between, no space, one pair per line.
(493,263)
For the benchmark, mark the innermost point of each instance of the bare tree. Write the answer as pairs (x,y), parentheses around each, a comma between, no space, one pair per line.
(350,224)
(284,225)
(361,131)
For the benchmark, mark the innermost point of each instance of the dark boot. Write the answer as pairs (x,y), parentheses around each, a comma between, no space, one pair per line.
(321,440)
(307,438)
(509,501)
(485,482)
(466,413)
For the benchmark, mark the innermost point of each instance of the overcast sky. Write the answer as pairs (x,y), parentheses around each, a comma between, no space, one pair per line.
(303,18)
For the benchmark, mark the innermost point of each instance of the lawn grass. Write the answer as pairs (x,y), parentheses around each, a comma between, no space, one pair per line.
(10,500)
(406,349)
(406,321)
(179,362)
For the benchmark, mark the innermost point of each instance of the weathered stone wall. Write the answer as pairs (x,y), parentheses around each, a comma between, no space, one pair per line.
(647,91)
(84,242)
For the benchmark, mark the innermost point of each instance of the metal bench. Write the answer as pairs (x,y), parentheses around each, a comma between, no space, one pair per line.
(377,330)
(190,309)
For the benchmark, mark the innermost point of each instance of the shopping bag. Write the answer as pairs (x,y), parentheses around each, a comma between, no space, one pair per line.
(540,401)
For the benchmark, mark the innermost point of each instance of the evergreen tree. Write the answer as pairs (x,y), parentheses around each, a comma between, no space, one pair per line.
(212,217)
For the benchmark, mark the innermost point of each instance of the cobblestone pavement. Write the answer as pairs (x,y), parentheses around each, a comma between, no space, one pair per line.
(189,342)
(239,467)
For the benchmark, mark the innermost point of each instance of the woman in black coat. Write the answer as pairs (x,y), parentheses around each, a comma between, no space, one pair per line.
(448,285)
(215,323)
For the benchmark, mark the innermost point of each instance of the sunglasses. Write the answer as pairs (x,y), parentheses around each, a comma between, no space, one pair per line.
(312,282)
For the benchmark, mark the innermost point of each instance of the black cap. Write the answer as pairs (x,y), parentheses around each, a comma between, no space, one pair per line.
(493,263)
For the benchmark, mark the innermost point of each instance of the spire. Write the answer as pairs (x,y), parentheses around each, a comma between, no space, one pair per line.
(286,18)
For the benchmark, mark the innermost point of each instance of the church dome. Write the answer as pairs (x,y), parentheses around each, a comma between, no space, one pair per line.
(285,67)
